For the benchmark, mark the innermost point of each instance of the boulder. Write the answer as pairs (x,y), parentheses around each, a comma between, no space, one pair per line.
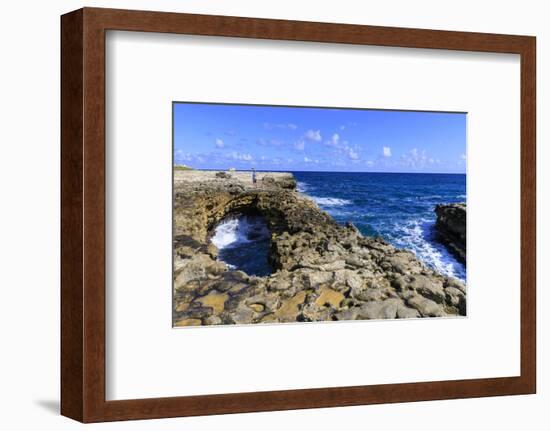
(451,228)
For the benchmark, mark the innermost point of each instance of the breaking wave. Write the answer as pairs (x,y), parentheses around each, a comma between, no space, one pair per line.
(243,243)
(301,186)
(330,202)
(418,236)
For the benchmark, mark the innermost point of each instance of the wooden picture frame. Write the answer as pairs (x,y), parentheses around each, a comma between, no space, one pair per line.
(83,214)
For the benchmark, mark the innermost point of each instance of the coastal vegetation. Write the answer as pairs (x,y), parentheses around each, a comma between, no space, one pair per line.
(182,168)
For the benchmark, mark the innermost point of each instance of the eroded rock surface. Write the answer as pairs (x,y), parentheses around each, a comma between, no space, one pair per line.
(451,228)
(322,271)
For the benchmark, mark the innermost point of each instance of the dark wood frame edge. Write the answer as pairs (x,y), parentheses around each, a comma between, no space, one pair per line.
(83,214)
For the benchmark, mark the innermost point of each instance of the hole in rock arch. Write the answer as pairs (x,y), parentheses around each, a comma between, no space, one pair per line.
(243,242)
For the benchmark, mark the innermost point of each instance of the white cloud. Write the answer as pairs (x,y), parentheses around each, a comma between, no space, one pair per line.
(300,145)
(370,163)
(342,127)
(242,157)
(416,159)
(290,126)
(342,147)
(349,151)
(308,160)
(386,151)
(313,135)
(352,154)
(219,143)
(334,141)
(182,156)
(463,156)
(265,142)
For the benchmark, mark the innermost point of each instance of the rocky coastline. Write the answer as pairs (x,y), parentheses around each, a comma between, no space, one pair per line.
(322,271)
(451,228)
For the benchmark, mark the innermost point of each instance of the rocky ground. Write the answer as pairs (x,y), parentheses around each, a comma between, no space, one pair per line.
(451,228)
(322,271)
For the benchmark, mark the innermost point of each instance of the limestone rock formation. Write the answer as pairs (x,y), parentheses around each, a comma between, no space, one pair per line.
(322,271)
(451,228)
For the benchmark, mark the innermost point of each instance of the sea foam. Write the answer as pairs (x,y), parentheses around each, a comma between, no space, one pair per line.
(239,230)
(301,186)
(243,244)
(418,237)
(330,202)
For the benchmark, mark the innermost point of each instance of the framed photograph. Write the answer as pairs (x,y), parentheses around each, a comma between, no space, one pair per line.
(267,215)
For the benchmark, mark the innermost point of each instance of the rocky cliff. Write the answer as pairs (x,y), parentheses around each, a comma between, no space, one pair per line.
(451,228)
(322,271)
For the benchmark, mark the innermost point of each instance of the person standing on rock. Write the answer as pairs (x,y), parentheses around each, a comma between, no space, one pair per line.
(253,176)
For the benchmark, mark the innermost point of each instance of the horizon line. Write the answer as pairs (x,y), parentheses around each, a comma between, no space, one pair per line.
(332,172)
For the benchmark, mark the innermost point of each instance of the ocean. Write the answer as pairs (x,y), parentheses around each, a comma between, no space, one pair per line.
(399,207)
(396,206)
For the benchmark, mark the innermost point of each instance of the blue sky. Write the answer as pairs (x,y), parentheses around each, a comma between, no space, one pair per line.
(208,136)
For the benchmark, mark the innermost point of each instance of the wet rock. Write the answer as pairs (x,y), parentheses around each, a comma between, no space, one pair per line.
(451,228)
